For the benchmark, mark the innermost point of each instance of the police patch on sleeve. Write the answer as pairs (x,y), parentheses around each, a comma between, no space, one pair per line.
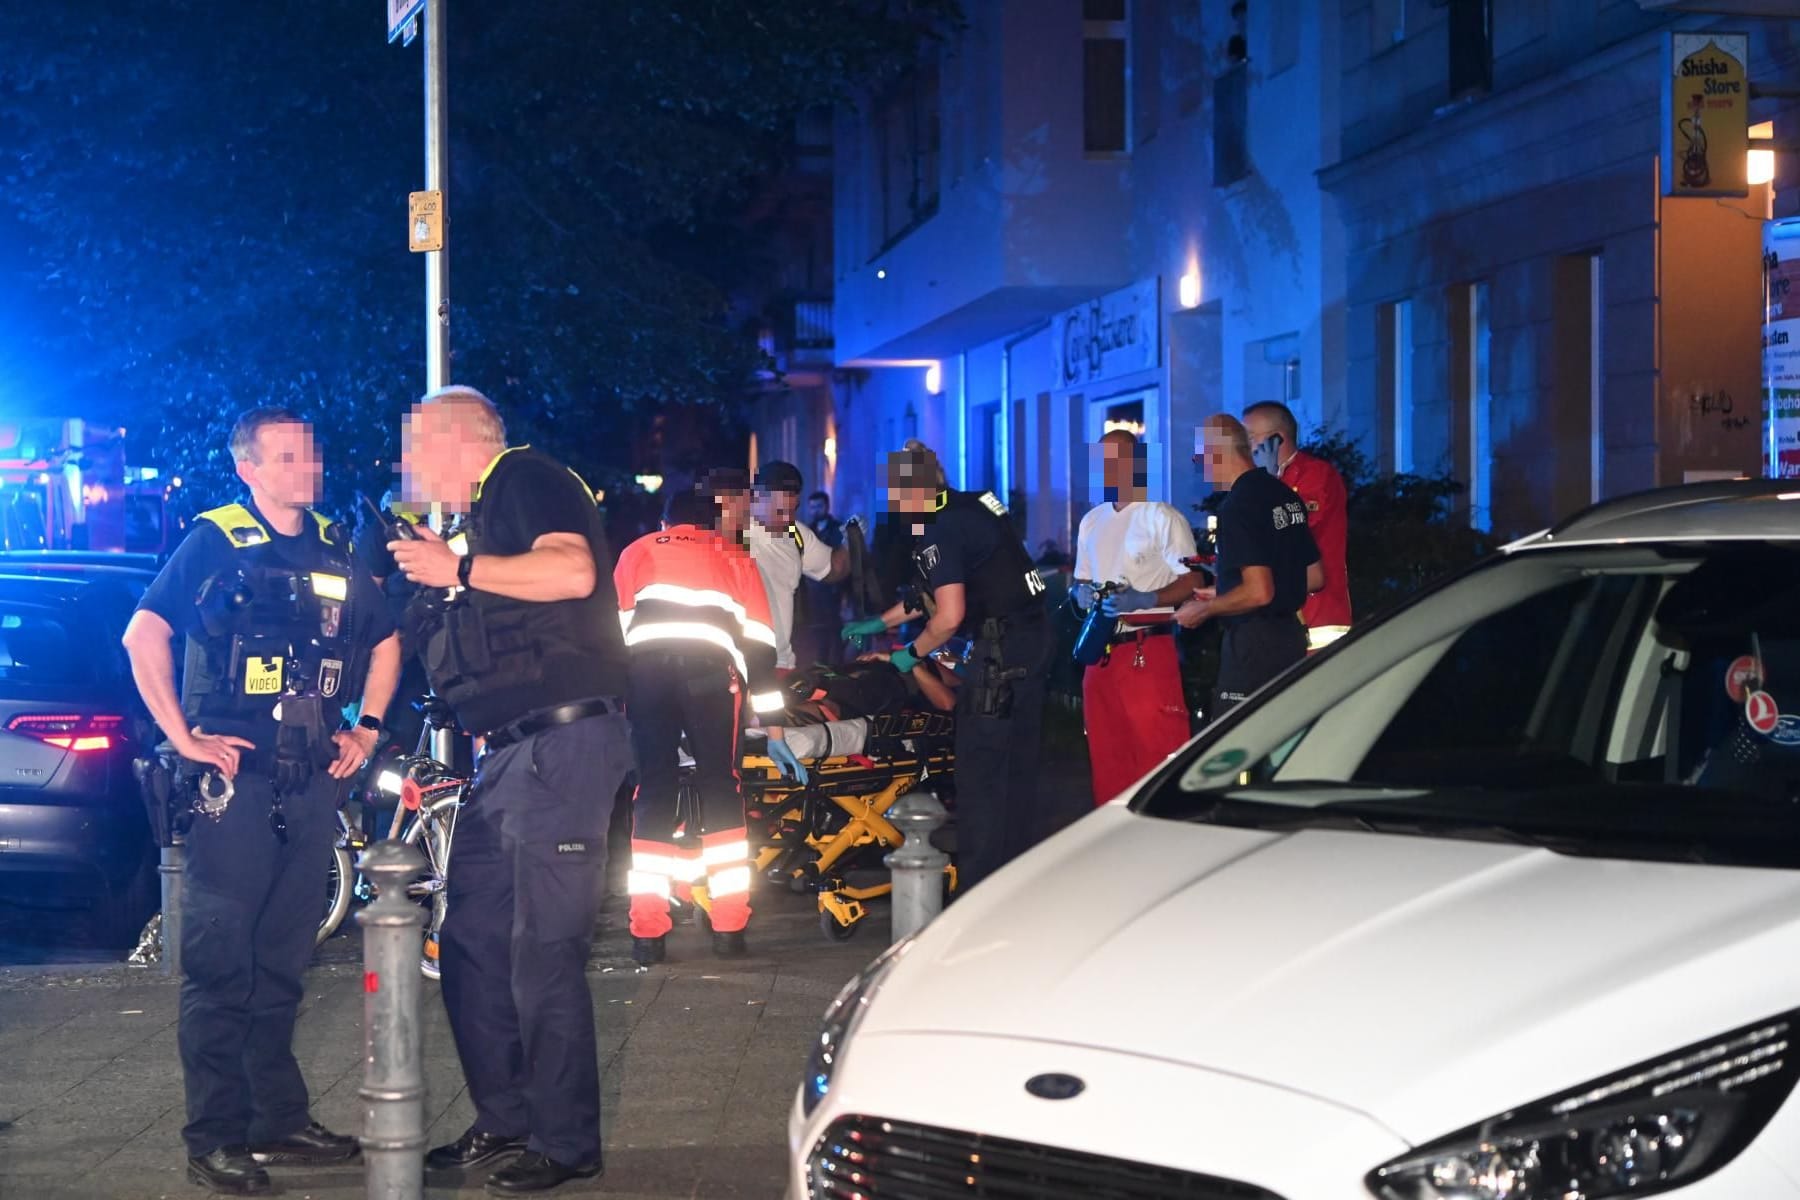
(928,558)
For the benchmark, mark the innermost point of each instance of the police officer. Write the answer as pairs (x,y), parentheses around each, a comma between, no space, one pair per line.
(976,579)
(1267,565)
(282,632)
(528,653)
(375,528)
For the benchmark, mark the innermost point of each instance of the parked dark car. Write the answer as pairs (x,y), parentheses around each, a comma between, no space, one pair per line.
(73,832)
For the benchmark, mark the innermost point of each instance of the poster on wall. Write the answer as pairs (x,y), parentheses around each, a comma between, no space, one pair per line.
(1781,349)
(1706,115)
(1117,334)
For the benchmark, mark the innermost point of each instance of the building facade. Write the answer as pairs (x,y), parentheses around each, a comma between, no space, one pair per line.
(1433,226)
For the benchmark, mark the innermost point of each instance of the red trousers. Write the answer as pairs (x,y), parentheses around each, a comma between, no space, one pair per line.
(1136,715)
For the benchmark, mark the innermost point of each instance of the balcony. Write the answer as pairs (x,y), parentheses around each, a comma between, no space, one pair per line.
(796,333)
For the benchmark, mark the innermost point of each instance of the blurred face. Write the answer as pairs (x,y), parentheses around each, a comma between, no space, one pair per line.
(1213,451)
(442,457)
(1118,462)
(734,513)
(776,509)
(285,466)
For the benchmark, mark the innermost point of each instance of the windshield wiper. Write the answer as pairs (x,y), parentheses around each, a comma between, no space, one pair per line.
(1288,818)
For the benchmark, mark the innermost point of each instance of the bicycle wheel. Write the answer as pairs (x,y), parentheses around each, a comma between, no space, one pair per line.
(337,893)
(432,831)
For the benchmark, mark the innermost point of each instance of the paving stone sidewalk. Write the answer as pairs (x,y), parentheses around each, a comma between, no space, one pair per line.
(700,1058)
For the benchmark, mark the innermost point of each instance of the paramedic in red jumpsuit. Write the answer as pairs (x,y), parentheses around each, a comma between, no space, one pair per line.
(1135,712)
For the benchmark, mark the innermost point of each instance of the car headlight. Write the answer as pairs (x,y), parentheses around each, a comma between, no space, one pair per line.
(1650,1128)
(840,1022)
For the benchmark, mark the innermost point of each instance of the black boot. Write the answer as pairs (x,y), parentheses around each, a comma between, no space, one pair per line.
(532,1172)
(473,1149)
(313,1146)
(648,951)
(229,1171)
(729,945)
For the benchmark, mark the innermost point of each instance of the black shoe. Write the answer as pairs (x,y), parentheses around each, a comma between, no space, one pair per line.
(473,1149)
(729,945)
(648,951)
(312,1146)
(532,1172)
(229,1171)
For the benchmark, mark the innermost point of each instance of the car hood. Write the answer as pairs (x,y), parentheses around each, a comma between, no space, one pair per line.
(1426,982)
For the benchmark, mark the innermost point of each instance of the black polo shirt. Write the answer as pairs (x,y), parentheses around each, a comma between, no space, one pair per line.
(1263,524)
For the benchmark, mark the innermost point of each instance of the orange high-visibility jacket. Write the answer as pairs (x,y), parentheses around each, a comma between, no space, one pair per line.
(687,584)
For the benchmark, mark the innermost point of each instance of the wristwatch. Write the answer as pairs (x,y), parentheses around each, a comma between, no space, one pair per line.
(462,569)
(370,721)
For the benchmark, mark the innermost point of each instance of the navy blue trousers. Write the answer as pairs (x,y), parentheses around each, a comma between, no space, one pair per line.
(527,871)
(250,915)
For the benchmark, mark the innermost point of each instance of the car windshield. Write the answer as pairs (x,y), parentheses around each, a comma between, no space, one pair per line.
(1626,701)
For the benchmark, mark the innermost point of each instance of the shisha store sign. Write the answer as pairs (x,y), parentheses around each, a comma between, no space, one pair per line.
(1706,115)
(1114,335)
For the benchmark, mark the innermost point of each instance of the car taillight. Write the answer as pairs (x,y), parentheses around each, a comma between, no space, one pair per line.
(78,732)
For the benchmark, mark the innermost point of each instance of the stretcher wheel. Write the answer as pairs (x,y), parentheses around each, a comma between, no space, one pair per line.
(805,879)
(834,930)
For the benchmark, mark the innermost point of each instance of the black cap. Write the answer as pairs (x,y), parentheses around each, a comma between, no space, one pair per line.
(779,476)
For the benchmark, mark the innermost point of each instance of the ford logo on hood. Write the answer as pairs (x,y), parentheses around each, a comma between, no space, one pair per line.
(1055,1087)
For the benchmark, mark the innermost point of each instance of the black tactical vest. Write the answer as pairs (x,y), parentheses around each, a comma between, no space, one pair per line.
(272,626)
(1003,582)
(493,659)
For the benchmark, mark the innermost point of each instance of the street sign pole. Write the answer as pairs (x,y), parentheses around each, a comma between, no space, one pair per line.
(437,177)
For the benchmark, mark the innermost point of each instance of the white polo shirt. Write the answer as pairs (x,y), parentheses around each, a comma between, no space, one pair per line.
(1140,545)
(782,560)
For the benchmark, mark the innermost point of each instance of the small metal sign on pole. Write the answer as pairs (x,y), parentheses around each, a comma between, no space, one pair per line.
(427,213)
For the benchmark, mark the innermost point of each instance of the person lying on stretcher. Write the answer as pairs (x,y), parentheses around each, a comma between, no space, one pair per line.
(868,687)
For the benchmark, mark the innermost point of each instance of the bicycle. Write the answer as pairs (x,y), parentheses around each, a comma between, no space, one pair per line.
(429,797)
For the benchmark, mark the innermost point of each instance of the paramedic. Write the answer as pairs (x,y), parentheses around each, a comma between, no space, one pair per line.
(1274,442)
(1135,713)
(698,631)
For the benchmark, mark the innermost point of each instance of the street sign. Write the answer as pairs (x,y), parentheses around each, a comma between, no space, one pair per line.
(1705,114)
(400,14)
(425,221)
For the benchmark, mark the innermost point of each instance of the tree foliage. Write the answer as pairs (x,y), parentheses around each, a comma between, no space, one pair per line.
(204,209)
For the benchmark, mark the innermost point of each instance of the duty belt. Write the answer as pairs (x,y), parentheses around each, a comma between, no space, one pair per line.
(549,718)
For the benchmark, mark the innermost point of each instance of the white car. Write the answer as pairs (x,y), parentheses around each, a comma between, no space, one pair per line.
(1498,897)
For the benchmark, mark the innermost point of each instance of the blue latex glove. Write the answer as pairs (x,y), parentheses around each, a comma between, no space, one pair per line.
(1267,454)
(904,660)
(1083,595)
(867,627)
(1127,601)
(786,761)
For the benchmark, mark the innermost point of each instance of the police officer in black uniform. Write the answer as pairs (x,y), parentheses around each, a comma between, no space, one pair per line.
(1267,566)
(282,633)
(530,654)
(977,579)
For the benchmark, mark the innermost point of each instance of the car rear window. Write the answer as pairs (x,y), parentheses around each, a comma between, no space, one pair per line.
(41,648)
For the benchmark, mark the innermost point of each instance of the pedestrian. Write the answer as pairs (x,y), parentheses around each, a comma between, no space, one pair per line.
(528,654)
(976,579)
(697,623)
(281,631)
(785,553)
(1267,565)
(372,533)
(820,611)
(1132,701)
(1275,442)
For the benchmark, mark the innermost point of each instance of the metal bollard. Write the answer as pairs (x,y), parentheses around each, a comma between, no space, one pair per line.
(393,1090)
(172,869)
(917,865)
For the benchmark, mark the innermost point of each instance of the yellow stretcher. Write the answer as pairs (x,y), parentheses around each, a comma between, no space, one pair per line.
(829,835)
